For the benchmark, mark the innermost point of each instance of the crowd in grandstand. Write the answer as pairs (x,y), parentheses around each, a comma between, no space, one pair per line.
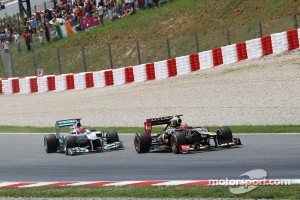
(44,23)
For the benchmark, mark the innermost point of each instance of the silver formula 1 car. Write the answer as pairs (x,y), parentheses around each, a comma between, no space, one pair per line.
(178,137)
(80,140)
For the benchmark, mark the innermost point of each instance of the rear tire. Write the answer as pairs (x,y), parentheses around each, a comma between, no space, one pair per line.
(70,142)
(224,134)
(142,143)
(112,136)
(177,139)
(50,143)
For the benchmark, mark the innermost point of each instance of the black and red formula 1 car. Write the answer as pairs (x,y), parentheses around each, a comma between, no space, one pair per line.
(181,138)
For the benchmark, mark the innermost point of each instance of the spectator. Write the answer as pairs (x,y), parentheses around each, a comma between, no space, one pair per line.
(132,6)
(33,24)
(9,32)
(79,13)
(141,4)
(26,36)
(47,32)
(40,33)
(3,36)
(89,9)
(126,10)
(109,6)
(48,15)
(38,17)
(80,3)
(126,3)
(16,37)
(100,1)
(119,7)
(58,29)
(75,14)
(149,4)
(156,3)
(78,27)
(100,13)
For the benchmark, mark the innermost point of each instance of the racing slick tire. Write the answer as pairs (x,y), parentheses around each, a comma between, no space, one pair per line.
(70,142)
(224,134)
(177,139)
(142,143)
(50,143)
(112,136)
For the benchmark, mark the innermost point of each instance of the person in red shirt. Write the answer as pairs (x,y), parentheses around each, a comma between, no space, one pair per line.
(89,9)
(26,36)
(79,12)
(79,15)
(38,17)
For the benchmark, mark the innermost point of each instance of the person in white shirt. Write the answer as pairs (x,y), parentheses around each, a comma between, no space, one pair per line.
(16,37)
(109,6)
(100,13)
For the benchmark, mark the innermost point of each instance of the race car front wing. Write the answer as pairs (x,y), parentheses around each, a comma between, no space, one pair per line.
(110,146)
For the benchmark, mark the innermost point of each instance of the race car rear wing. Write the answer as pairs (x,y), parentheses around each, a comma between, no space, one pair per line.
(64,123)
(158,121)
(67,122)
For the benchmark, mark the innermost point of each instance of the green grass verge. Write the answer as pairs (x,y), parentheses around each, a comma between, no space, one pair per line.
(179,21)
(261,192)
(235,129)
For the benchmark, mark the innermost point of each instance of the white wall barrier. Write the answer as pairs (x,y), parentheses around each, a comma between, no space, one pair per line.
(183,65)
(206,59)
(161,69)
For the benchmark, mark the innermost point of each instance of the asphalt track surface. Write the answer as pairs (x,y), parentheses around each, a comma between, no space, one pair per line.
(23,159)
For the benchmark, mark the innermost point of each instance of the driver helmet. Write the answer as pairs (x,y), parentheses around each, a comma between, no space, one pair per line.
(184,125)
(80,130)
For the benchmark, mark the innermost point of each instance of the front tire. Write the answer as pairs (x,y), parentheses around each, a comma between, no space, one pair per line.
(142,143)
(224,134)
(177,139)
(112,136)
(50,143)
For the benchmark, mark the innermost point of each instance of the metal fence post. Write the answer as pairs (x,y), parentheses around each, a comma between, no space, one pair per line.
(295,21)
(11,27)
(10,21)
(81,23)
(45,7)
(58,60)
(83,59)
(11,62)
(228,37)
(110,56)
(260,29)
(34,63)
(197,43)
(19,24)
(138,52)
(168,47)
